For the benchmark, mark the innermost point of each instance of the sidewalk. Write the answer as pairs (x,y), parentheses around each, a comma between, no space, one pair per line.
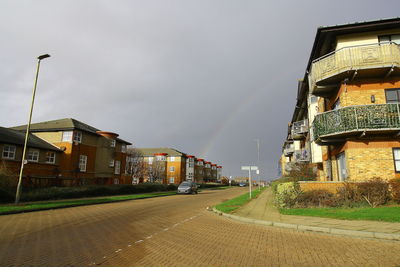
(261,210)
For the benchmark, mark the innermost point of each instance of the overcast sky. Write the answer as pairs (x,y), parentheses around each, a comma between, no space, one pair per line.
(204,77)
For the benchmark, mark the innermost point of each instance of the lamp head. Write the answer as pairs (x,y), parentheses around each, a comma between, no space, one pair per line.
(43,56)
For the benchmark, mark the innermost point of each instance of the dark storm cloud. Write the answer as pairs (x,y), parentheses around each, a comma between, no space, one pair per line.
(205,77)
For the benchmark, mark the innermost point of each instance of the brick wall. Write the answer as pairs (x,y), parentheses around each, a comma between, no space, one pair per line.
(318,185)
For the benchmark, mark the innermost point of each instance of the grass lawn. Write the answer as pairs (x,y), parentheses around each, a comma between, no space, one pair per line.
(4,209)
(387,214)
(235,203)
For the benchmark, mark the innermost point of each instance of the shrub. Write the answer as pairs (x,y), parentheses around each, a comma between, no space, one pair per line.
(349,195)
(286,194)
(395,189)
(51,193)
(375,191)
(317,198)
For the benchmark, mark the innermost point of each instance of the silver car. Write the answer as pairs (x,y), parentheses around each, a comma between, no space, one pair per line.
(187,187)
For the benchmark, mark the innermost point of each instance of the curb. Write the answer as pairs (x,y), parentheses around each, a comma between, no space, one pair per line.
(326,230)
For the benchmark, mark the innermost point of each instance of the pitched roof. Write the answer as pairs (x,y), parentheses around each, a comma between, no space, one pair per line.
(151,151)
(14,137)
(58,125)
(63,125)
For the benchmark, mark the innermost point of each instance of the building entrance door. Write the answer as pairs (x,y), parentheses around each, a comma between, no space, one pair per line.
(341,160)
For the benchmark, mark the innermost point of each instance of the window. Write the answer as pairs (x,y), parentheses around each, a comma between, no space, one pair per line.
(82,163)
(341,163)
(33,155)
(172,168)
(111,163)
(171,180)
(67,136)
(112,143)
(78,137)
(8,152)
(50,157)
(150,160)
(117,169)
(171,158)
(161,158)
(389,38)
(123,148)
(396,159)
(392,95)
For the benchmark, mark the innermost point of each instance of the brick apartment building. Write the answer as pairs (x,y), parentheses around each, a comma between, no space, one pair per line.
(346,121)
(88,155)
(168,165)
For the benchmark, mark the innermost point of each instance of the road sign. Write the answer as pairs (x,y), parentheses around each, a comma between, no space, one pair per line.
(248,168)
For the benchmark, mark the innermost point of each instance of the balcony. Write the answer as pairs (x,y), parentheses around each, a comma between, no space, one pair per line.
(302,155)
(356,121)
(374,60)
(288,148)
(299,129)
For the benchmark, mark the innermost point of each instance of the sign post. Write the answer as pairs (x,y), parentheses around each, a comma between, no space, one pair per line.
(249,168)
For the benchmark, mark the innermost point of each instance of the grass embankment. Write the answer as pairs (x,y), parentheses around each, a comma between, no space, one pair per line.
(387,214)
(7,209)
(233,204)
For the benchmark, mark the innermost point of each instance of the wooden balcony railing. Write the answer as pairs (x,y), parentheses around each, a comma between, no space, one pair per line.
(352,119)
(354,58)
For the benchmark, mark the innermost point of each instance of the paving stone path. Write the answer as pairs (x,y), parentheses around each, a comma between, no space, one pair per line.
(173,231)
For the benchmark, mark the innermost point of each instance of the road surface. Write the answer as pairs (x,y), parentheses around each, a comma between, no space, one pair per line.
(173,231)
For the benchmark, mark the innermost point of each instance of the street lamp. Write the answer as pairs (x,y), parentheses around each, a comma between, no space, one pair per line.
(18,193)
(258,162)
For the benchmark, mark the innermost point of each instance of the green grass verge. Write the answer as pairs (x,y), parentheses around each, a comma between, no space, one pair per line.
(6,209)
(233,204)
(218,188)
(387,214)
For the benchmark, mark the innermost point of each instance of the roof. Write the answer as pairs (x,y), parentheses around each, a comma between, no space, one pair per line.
(59,125)
(63,125)
(10,136)
(156,150)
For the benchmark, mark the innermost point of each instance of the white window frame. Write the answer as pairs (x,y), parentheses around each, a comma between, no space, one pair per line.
(161,158)
(113,143)
(77,137)
(67,136)
(9,152)
(51,157)
(123,148)
(171,159)
(150,160)
(33,155)
(111,163)
(172,169)
(395,159)
(82,163)
(117,168)
(171,180)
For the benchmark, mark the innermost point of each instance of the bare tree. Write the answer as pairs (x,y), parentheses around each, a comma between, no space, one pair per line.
(136,166)
(156,172)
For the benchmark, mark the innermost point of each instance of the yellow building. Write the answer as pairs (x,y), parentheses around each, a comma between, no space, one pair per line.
(347,115)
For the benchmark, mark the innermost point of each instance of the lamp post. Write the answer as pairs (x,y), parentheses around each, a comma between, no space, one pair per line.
(18,193)
(258,162)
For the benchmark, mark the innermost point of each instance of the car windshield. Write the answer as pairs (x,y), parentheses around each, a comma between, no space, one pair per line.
(185,184)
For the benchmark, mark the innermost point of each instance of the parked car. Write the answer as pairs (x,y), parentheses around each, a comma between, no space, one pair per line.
(187,187)
(242,184)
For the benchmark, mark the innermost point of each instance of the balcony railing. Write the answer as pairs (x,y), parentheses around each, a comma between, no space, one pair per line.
(289,149)
(301,155)
(352,119)
(354,58)
(299,128)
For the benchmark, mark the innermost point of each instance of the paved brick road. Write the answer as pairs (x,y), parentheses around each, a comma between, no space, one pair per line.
(173,231)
